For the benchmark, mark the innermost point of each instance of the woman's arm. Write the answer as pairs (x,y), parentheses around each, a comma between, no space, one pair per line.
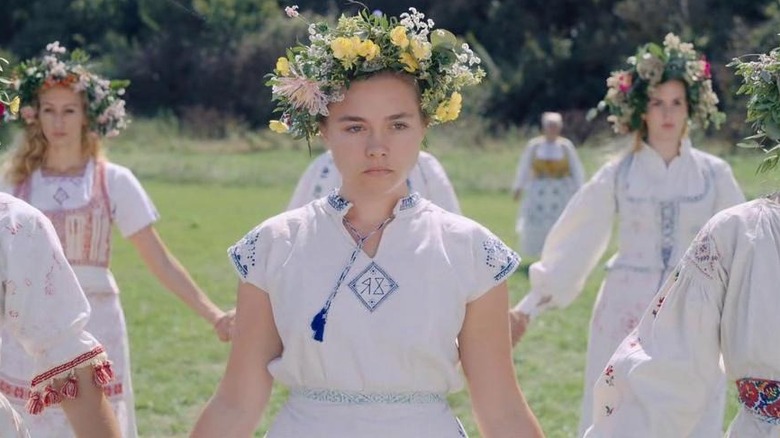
(238,404)
(175,278)
(89,414)
(499,406)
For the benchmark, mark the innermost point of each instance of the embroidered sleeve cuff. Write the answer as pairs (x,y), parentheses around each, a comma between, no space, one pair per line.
(43,392)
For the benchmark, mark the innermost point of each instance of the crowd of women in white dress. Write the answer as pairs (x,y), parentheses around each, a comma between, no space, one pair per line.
(373,297)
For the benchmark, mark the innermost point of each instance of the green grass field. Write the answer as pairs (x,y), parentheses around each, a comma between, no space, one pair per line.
(208,200)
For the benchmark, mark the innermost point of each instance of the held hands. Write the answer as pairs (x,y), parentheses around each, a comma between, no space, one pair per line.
(518,323)
(224,325)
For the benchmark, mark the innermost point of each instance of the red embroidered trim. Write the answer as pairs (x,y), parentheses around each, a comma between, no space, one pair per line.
(95,352)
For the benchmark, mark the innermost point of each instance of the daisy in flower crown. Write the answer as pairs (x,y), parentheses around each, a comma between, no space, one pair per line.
(105,107)
(628,89)
(311,76)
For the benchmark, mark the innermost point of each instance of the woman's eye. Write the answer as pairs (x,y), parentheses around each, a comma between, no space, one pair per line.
(355,128)
(400,125)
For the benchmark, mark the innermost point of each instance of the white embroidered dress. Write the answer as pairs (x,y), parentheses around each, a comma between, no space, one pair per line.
(659,210)
(43,308)
(389,354)
(548,173)
(725,300)
(427,178)
(83,209)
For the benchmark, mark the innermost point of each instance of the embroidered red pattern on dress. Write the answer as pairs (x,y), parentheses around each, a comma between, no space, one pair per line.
(95,352)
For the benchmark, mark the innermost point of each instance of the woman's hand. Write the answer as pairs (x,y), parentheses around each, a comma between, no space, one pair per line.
(224,325)
(518,323)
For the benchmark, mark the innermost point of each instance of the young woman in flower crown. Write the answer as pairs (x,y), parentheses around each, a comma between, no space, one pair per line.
(722,301)
(58,168)
(661,193)
(548,174)
(364,302)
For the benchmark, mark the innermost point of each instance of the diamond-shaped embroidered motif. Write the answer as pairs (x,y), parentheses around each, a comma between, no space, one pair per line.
(61,195)
(372,286)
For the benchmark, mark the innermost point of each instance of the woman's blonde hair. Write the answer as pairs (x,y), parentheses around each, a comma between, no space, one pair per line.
(32,146)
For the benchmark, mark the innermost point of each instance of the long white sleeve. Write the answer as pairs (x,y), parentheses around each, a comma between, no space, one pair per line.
(575,164)
(658,382)
(438,186)
(523,175)
(574,245)
(728,191)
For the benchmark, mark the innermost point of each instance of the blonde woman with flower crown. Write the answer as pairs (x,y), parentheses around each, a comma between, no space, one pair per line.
(58,168)
(661,193)
(364,302)
(721,301)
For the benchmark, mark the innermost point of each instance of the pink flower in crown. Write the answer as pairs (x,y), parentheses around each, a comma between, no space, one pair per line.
(707,70)
(624,83)
(28,114)
(303,94)
(291,11)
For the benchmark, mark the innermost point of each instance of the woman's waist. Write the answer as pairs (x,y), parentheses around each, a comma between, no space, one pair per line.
(649,261)
(95,279)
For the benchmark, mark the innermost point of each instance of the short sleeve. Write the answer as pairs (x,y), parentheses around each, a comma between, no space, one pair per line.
(131,207)
(494,263)
(250,255)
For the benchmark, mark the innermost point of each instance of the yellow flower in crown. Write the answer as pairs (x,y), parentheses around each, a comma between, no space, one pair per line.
(278,126)
(345,50)
(420,50)
(410,64)
(368,50)
(398,37)
(14,106)
(283,66)
(450,110)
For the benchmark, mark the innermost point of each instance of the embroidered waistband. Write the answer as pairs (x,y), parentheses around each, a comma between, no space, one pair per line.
(363,398)
(761,398)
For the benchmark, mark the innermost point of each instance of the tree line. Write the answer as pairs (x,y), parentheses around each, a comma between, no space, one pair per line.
(204,61)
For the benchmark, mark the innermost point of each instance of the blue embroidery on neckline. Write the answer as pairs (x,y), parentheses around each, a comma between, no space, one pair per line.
(372,286)
(339,203)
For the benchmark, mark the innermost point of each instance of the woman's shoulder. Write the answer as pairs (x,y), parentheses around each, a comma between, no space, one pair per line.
(287,224)
(709,159)
(455,225)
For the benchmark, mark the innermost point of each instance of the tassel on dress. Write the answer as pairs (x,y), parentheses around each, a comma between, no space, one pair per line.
(318,324)
(35,404)
(103,373)
(70,389)
(51,396)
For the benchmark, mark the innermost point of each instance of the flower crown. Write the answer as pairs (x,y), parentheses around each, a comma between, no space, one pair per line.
(105,107)
(8,106)
(311,76)
(761,82)
(628,90)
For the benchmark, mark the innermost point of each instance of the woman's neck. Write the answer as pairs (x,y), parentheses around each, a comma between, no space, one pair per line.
(367,212)
(64,159)
(668,149)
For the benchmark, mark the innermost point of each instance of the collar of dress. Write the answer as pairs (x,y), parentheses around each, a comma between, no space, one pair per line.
(339,206)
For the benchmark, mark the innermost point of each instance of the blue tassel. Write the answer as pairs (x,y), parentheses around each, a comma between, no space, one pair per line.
(318,324)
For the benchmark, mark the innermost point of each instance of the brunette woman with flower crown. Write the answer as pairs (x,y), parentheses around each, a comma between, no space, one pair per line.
(661,192)
(722,301)
(58,168)
(364,302)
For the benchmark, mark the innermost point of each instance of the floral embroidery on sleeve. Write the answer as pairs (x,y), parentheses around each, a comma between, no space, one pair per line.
(500,258)
(244,253)
(703,254)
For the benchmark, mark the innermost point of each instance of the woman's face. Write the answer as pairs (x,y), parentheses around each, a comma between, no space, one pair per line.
(61,115)
(667,111)
(375,135)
